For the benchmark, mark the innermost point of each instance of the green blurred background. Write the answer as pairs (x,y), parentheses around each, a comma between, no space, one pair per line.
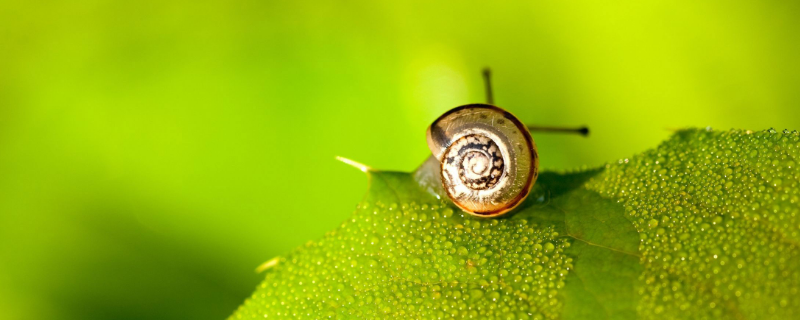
(153,153)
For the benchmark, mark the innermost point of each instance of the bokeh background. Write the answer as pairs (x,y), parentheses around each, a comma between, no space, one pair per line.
(153,153)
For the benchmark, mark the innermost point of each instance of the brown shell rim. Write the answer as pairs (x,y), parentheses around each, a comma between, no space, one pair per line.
(534,170)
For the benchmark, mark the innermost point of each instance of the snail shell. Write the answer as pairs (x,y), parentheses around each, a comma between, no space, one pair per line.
(488,158)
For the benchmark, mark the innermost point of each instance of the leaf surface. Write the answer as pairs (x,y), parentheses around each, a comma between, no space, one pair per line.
(704,226)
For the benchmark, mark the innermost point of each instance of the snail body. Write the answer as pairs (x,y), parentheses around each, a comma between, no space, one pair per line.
(488,158)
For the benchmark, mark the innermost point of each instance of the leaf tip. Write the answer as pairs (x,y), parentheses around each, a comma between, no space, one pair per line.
(354,164)
(266,265)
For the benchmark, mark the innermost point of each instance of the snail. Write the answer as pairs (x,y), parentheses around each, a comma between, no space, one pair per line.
(487,158)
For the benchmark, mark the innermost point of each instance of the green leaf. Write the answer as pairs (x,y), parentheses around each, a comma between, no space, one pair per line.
(704,226)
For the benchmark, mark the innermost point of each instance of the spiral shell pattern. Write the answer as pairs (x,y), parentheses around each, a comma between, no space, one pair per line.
(476,160)
(488,159)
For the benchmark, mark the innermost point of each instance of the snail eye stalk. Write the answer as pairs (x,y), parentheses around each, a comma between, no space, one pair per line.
(487,82)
